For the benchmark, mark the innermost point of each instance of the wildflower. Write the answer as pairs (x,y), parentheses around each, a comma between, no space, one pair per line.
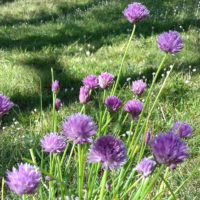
(23,180)
(109,151)
(91,82)
(53,143)
(105,80)
(84,95)
(79,128)
(55,86)
(138,87)
(170,42)
(183,129)
(134,107)
(146,167)
(136,12)
(169,149)
(113,103)
(5,105)
(58,104)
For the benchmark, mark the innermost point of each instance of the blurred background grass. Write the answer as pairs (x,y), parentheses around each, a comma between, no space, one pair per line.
(77,38)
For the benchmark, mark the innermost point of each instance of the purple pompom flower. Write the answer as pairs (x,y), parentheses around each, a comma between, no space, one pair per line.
(136,12)
(109,151)
(53,143)
(91,82)
(169,149)
(113,103)
(183,129)
(105,80)
(84,95)
(138,87)
(170,42)
(23,180)
(58,104)
(79,128)
(5,105)
(55,86)
(146,167)
(134,107)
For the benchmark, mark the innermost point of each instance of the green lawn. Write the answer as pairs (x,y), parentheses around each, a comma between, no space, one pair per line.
(82,37)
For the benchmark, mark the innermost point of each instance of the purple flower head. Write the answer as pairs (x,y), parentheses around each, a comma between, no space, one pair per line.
(138,87)
(146,167)
(79,128)
(183,129)
(108,150)
(136,12)
(84,95)
(23,180)
(105,80)
(5,105)
(169,149)
(53,143)
(55,86)
(170,42)
(147,138)
(134,107)
(113,103)
(91,82)
(58,104)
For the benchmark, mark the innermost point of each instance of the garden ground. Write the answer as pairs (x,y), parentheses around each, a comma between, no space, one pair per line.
(82,37)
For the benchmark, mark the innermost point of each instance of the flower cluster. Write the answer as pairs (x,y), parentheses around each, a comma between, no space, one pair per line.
(5,105)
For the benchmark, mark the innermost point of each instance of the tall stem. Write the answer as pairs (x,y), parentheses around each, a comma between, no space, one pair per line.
(80,171)
(122,62)
(103,184)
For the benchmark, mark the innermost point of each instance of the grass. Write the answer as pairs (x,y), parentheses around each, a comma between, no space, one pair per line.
(77,38)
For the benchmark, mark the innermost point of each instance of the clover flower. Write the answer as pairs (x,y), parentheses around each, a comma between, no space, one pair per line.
(23,180)
(53,143)
(113,103)
(109,151)
(5,105)
(170,42)
(136,12)
(79,128)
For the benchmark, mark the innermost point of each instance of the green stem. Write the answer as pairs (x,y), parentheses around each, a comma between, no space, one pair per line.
(122,62)
(2,189)
(103,185)
(147,101)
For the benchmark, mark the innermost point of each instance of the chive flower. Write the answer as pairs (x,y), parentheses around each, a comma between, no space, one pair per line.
(23,180)
(134,107)
(169,149)
(170,42)
(91,82)
(138,87)
(113,103)
(79,128)
(146,167)
(105,80)
(183,129)
(55,86)
(5,105)
(53,143)
(109,151)
(58,104)
(136,12)
(84,95)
